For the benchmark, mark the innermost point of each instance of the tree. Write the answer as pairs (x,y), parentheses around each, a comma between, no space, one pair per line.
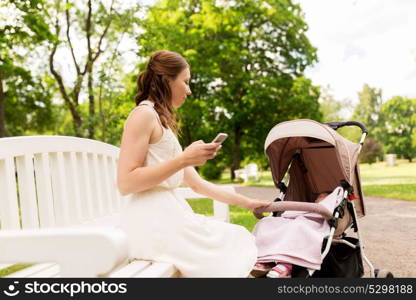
(29,108)
(372,150)
(399,116)
(368,109)
(87,31)
(333,109)
(247,60)
(25,100)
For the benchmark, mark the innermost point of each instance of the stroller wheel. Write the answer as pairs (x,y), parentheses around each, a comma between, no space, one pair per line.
(383,273)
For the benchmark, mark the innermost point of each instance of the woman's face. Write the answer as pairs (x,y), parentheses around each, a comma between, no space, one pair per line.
(180,88)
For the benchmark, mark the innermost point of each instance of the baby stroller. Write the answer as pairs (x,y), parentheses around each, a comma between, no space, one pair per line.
(318,160)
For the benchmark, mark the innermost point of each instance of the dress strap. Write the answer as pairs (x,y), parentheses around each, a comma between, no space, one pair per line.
(147,102)
(152,105)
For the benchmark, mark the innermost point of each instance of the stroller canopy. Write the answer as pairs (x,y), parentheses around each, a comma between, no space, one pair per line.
(319,158)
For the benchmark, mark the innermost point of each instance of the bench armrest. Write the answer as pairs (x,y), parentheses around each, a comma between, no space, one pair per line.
(80,252)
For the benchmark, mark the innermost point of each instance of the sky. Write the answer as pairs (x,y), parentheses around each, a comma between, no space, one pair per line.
(363,41)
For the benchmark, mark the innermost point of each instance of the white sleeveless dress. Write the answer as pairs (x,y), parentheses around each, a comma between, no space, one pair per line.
(162,227)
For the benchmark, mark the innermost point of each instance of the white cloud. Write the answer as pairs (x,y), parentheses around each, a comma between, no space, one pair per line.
(363,41)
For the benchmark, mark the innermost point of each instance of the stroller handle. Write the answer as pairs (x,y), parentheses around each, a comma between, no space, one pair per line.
(293,205)
(336,125)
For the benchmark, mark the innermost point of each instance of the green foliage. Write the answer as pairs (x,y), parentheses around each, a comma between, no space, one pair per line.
(247,59)
(88,34)
(26,24)
(399,118)
(371,151)
(303,100)
(24,95)
(28,103)
(367,111)
(211,170)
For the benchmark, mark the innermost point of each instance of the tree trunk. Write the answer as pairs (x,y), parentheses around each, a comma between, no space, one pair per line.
(238,132)
(236,151)
(72,105)
(187,135)
(101,114)
(77,120)
(91,123)
(2,113)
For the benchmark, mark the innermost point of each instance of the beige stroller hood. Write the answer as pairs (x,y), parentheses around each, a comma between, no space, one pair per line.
(317,157)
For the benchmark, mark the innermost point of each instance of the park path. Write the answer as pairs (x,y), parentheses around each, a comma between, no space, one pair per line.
(388,231)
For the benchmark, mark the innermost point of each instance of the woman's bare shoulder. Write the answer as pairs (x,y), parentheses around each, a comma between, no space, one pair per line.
(140,118)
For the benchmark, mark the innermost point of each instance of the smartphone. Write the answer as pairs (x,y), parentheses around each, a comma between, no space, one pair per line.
(220,138)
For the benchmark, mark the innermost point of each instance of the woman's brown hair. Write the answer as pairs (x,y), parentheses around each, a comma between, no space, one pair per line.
(153,84)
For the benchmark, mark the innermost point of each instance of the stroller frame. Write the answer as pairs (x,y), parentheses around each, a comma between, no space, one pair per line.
(337,214)
(356,225)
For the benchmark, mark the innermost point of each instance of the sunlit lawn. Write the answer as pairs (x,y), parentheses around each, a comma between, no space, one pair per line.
(398,182)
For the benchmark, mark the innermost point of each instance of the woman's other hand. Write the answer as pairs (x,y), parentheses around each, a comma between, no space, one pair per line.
(197,153)
(255,203)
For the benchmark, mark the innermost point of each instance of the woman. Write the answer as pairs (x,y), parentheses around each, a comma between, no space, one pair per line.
(160,224)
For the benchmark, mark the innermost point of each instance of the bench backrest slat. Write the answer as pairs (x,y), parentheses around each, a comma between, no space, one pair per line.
(113,176)
(86,188)
(59,189)
(98,184)
(27,191)
(105,171)
(74,178)
(9,210)
(44,190)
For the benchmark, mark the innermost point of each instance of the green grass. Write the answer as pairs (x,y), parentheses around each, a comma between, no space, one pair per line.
(395,191)
(398,182)
(202,206)
(379,173)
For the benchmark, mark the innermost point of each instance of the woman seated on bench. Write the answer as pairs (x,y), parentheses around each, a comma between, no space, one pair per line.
(160,224)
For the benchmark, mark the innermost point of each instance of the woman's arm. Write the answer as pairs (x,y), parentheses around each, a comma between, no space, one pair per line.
(132,176)
(213,191)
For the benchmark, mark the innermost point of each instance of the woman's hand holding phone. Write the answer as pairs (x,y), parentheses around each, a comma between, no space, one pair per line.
(197,153)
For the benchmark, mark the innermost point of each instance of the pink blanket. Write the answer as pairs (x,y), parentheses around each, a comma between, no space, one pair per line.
(296,237)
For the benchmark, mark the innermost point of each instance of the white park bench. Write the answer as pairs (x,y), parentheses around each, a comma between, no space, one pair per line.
(249,172)
(59,210)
